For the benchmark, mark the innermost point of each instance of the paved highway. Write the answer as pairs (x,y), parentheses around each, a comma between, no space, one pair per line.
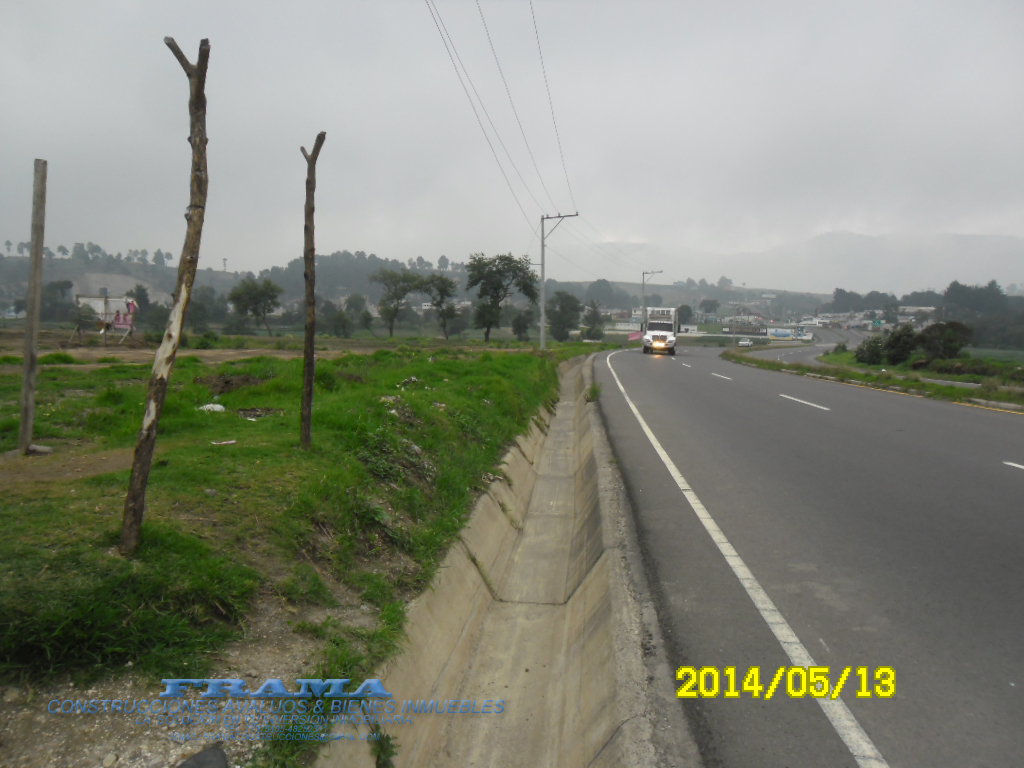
(886,530)
(824,340)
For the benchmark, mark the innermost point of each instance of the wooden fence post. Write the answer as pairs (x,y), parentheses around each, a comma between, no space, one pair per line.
(135,501)
(309,259)
(35,293)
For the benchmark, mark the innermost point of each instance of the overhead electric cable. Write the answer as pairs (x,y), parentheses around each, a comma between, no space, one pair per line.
(551,104)
(439,24)
(613,245)
(483,107)
(573,263)
(632,262)
(512,103)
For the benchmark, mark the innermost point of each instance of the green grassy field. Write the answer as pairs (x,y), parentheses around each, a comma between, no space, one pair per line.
(403,442)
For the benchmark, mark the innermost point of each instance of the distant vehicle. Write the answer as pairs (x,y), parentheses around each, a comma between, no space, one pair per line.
(745,343)
(660,333)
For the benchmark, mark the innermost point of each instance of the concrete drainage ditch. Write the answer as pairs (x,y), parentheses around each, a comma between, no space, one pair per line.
(541,605)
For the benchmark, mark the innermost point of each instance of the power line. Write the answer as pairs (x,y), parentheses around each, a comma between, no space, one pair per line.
(626,255)
(439,25)
(508,92)
(484,107)
(551,104)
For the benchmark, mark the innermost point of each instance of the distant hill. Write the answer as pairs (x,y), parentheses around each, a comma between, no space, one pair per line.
(896,263)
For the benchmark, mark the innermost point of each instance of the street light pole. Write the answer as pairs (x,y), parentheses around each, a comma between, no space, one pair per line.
(643,297)
(543,292)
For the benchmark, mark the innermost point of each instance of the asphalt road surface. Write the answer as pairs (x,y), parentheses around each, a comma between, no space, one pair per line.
(824,340)
(887,530)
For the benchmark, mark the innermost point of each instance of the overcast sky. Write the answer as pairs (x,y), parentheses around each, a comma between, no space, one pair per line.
(686,127)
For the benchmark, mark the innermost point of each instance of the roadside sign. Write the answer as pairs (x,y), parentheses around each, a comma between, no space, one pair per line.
(876,323)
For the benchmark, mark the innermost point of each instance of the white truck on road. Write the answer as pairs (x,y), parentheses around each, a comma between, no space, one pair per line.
(660,332)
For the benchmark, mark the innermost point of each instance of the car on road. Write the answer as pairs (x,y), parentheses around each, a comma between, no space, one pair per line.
(745,343)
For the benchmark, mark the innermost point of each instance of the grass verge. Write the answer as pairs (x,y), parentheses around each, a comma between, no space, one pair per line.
(403,442)
(895,380)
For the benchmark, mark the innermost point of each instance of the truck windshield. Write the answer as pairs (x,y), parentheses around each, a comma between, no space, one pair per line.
(659,327)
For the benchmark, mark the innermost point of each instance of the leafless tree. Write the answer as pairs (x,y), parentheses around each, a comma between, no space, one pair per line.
(135,501)
(309,258)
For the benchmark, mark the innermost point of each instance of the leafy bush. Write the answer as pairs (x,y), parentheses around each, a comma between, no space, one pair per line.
(841,347)
(944,340)
(871,351)
(900,344)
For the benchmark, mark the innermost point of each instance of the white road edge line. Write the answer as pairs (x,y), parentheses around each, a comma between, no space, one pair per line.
(713,374)
(1011,464)
(798,400)
(842,719)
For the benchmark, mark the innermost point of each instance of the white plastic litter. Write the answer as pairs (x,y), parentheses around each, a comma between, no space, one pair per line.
(211,408)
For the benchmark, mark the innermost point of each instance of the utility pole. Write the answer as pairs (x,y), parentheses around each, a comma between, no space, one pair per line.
(643,297)
(35,290)
(543,293)
(225,264)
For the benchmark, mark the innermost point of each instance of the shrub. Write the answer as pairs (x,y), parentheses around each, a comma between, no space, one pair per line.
(900,344)
(871,351)
(944,340)
(841,347)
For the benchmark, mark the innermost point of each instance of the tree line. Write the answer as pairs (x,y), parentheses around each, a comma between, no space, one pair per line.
(994,318)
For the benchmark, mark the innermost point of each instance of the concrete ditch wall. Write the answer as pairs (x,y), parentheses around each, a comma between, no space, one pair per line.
(529,608)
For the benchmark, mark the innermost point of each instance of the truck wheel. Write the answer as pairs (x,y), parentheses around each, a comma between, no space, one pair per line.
(646,350)
(672,351)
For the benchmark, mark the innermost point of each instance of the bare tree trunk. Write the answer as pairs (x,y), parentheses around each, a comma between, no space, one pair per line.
(309,259)
(135,501)
(35,292)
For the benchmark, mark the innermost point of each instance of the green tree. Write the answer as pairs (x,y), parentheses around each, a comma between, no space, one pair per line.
(355,303)
(684,313)
(496,279)
(709,306)
(7,243)
(900,344)
(336,319)
(944,340)
(61,249)
(397,286)
(366,321)
(441,290)
(461,322)
(258,299)
(521,324)
(593,322)
(442,263)
(890,313)
(563,312)
(871,351)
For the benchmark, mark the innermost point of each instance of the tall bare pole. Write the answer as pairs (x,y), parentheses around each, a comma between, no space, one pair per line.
(35,293)
(543,292)
(309,261)
(135,501)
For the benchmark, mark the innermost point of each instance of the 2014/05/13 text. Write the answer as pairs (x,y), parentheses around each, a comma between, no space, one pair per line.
(708,682)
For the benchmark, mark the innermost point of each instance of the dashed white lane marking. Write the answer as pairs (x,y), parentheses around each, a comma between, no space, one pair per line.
(842,719)
(798,400)
(713,374)
(687,365)
(1011,464)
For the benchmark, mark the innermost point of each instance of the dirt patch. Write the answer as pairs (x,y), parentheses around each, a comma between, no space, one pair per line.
(17,470)
(257,413)
(222,384)
(31,737)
